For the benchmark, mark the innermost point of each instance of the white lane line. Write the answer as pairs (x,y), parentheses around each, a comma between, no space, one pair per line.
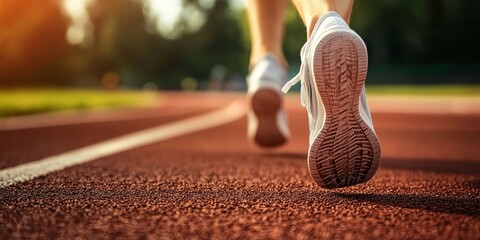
(59,119)
(31,170)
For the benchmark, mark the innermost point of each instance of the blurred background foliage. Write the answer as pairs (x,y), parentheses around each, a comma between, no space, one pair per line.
(205,43)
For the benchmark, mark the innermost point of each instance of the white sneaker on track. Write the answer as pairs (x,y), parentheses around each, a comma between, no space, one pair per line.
(344,149)
(267,123)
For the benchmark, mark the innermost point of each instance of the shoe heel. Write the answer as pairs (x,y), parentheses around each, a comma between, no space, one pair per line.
(266,105)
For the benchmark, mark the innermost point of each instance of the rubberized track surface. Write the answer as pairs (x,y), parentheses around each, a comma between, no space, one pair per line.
(214,184)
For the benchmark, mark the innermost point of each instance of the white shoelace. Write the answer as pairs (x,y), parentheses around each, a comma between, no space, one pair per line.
(292,82)
(298,78)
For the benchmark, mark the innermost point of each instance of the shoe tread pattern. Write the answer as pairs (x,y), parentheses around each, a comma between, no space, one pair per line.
(346,152)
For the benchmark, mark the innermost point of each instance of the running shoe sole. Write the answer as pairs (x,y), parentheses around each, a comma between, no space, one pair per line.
(346,151)
(266,105)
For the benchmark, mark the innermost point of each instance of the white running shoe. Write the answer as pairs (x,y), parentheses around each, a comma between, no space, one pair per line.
(267,123)
(344,149)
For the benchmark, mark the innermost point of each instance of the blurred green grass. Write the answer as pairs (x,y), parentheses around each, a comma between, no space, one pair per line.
(19,102)
(459,90)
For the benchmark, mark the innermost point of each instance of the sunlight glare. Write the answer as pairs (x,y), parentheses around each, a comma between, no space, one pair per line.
(173,18)
(80,27)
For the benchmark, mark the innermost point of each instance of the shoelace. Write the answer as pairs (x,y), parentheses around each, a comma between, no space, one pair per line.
(303,71)
(292,81)
(304,67)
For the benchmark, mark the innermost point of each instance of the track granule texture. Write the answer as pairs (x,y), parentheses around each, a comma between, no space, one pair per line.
(214,185)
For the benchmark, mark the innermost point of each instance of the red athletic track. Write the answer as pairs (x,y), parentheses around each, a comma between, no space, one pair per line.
(214,184)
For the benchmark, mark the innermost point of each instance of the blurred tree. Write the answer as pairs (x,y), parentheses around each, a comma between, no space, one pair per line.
(419,32)
(426,41)
(409,41)
(219,42)
(32,42)
(410,38)
(124,44)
